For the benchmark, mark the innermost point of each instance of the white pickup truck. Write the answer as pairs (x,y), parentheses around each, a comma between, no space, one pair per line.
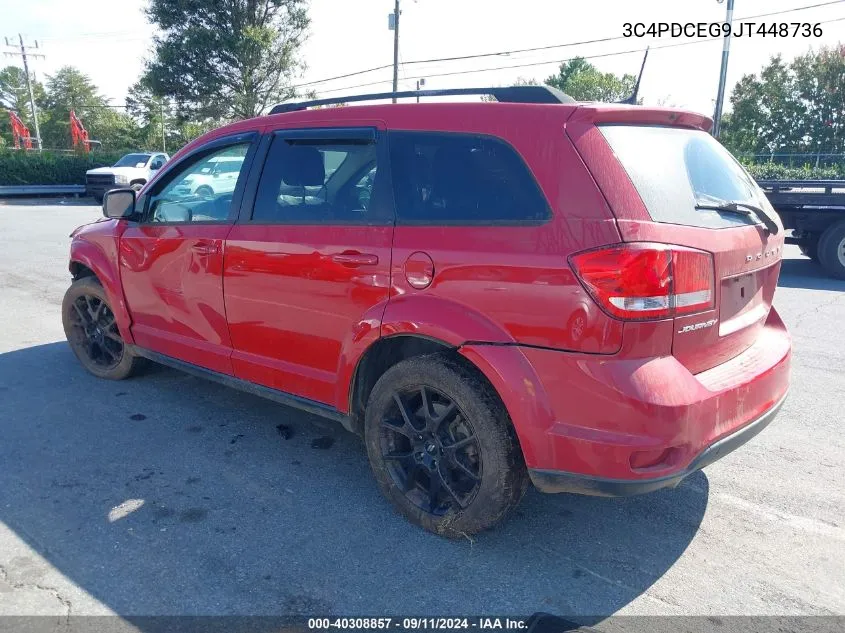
(133,170)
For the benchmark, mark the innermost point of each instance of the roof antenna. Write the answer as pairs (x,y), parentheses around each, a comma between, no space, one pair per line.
(632,100)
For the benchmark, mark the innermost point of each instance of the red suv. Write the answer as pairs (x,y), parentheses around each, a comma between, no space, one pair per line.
(575,294)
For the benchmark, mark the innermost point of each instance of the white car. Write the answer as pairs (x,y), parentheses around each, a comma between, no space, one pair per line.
(215,176)
(133,170)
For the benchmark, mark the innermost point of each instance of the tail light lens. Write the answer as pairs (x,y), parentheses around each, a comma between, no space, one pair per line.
(641,281)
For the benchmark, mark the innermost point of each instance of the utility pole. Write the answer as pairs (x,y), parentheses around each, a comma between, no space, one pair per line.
(161,114)
(24,52)
(395,24)
(726,49)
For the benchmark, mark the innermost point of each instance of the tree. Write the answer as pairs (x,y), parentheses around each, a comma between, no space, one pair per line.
(70,89)
(226,59)
(584,82)
(820,87)
(14,96)
(794,108)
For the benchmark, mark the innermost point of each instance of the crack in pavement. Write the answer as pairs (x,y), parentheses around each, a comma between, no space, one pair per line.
(67,604)
(824,304)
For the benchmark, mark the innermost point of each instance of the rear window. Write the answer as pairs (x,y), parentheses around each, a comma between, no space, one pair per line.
(452,179)
(675,169)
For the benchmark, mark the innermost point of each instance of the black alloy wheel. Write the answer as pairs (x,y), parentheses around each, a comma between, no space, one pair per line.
(431,450)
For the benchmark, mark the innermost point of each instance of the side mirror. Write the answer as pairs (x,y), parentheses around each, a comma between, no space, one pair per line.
(119,203)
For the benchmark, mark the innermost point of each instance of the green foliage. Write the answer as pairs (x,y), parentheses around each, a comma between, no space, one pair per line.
(15,96)
(774,171)
(226,59)
(69,89)
(796,107)
(584,82)
(49,168)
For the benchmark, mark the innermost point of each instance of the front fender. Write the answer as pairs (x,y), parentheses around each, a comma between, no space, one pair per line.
(92,256)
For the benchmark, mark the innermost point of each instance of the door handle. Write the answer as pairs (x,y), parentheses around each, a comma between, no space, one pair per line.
(355,259)
(206,247)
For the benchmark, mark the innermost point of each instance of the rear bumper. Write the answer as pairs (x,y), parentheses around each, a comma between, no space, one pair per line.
(601,424)
(560,481)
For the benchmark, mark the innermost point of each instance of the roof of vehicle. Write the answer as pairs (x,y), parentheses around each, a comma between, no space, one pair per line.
(449,116)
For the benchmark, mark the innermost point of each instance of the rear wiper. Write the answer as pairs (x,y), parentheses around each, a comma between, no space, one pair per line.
(742,208)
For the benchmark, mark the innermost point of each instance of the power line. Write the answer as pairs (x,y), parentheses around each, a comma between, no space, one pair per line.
(547,62)
(539,48)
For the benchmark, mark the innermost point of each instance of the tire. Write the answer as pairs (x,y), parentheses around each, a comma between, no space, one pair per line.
(477,434)
(205,192)
(832,250)
(810,248)
(98,198)
(96,342)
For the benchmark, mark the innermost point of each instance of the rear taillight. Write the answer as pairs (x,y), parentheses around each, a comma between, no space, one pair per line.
(647,281)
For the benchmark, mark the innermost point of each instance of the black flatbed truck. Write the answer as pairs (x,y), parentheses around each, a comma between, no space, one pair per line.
(815,211)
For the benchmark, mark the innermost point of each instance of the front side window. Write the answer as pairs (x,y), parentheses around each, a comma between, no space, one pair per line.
(316,182)
(442,179)
(202,190)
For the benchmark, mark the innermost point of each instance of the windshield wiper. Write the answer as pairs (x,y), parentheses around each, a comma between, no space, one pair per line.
(742,208)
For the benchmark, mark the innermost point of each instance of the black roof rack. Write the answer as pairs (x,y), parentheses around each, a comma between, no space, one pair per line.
(507,94)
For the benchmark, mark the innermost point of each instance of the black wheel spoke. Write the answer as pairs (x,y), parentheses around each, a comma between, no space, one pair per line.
(83,316)
(112,355)
(447,413)
(464,468)
(446,482)
(406,418)
(399,456)
(434,485)
(91,317)
(426,432)
(410,478)
(426,408)
(97,337)
(113,347)
(402,429)
(461,443)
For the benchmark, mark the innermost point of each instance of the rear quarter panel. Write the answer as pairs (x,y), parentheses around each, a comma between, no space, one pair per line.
(517,276)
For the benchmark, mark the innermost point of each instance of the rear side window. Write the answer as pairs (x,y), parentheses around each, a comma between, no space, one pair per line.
(311,181)
(676,169)
(449,179)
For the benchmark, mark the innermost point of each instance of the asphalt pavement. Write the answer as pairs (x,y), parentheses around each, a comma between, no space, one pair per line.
(166,494)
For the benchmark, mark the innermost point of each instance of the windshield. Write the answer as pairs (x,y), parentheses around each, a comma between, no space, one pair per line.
(132,160)
(676,169)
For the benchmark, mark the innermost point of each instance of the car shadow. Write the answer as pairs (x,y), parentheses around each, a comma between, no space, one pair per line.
(169,495)
(805,273)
